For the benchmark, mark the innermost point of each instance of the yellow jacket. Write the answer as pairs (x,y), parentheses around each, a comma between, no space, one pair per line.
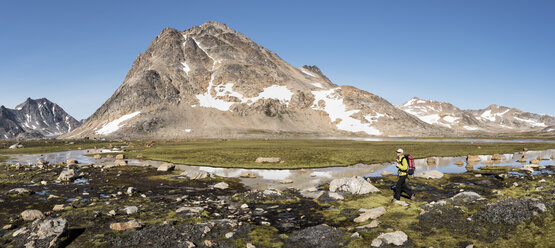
(402,165)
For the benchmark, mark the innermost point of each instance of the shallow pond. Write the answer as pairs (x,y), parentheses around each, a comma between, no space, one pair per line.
(302,178)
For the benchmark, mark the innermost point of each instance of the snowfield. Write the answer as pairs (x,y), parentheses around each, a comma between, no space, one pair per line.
(114,125)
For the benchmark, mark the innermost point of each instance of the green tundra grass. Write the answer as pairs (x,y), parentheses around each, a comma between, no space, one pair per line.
(311,153)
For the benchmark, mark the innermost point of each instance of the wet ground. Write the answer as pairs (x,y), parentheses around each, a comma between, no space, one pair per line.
(176,212)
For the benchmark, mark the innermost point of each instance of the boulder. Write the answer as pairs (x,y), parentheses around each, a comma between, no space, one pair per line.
(467,196)
(15,146)
(42,163)
(120,226)
(431,161)
(221,185)
(120,162)
(189,209)
(335,196)
(267,160)
(109,156)
(97,156)
(433,174)
(397,238)
(353,185)
(471,158)
(166,167)
(497,157)
(67,175)
(49,227)
(193,175)
(120,157)
(535,161)
(32,214)
(367,214)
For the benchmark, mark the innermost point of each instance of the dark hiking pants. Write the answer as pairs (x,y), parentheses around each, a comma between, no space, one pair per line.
(402,187)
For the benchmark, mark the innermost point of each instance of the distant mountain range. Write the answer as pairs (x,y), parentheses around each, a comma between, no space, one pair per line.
(35,119)
(493,119)
(211,81)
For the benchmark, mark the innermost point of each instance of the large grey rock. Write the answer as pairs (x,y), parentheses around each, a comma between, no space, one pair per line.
(397,238)
(433,174)
(353,185)
(32,214)
(49,227)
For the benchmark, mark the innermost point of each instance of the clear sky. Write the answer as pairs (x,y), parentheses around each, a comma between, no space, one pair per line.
(471,53)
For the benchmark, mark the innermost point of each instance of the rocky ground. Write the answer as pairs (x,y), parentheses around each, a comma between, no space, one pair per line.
(87,205)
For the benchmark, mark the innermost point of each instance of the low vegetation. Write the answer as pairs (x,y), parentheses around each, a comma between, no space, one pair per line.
(297,154)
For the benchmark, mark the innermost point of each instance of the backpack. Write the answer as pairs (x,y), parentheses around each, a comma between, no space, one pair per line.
(410,162)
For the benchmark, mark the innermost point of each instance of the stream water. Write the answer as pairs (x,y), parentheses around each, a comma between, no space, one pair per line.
(302,178)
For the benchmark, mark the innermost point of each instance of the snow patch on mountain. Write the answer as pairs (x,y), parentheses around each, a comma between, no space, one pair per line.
(336,109)
(115,124)
(531,122)
(308,73)
(278,92)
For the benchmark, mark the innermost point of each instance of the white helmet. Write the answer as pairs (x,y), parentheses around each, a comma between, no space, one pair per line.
(400,150)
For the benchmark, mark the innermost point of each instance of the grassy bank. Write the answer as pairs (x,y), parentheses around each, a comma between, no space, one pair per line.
(311,153)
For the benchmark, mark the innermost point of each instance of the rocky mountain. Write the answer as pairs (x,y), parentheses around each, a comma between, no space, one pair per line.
(492,119)
(211,81)
(39,118)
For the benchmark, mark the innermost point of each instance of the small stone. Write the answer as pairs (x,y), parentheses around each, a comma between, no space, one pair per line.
(208,243)
(52,197)
(515,184)
(402,203)
(432,174)
(397,238)
(286,181)
(267,160)
(335,196)
(221,185)
(190,244)
(7,227)
(97,157)
(166,167)
(247,175)
(431,161)
(130,190)
(249,245)
(386,173)
(72,161)
(120,226)
(244,206)
(120,157)
(478,175)
(112,213)
(373,213)
(373,224)
(120,162)
(229,235)
(355,235)
(22,230)
(58,207)
(541,181)
(67,175)
(312,189)
(19,191)
(32,214)
(131,210)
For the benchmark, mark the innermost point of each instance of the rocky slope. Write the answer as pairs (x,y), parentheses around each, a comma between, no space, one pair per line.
(210,81)
(492,119)
(39,118)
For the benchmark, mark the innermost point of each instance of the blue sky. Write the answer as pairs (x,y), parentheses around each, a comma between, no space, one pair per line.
(469,53)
